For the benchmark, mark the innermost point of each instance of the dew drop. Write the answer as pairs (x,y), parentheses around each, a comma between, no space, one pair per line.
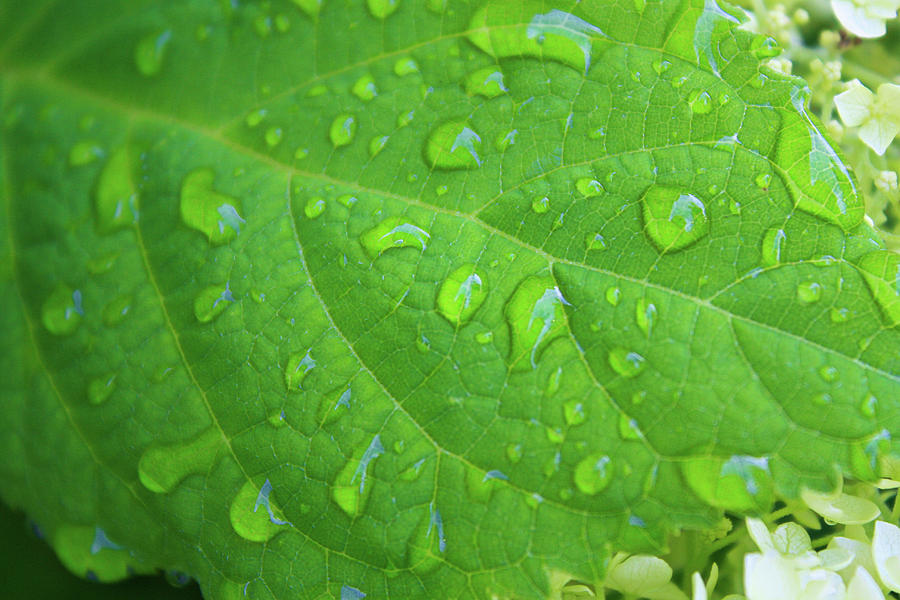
(553,383)
(277,418)
(536,315)
(839,315)
(254,515)
(505,140)
(301,153)
(349,490)
(441,190)
(405,118)
(628,428)
(262,24)
(595,241)
(273,136)
(514,452)
(701,102)
(829,374)
(315,206)
(763,180)
(487,82)
(213,214)
(673,219)
(364,88)
(461,294)
(661,66)
(84,152)
(405,66)
(116,310)
(342,130)
(613,295)
(453,145)
(772,244)
(881,270)
(625,363)
(412,472)
(573,411)
(101,388)
(161,468)
(381,9)
(593,473)
(211,302)
(484,337)
(540,205)
(298,367)
(423,344)
(734,207)
(347,200)
(150,52)
(393,232)
(809,292)
(62,310)
(115,197)
(869,405)
(589,187)
(376,144)
(645,315)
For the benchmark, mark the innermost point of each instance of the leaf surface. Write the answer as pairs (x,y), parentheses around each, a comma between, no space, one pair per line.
(421,299)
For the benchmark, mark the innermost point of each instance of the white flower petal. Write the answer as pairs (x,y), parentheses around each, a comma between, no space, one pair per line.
(821,584)
(878,135)
(857,19)
(842,508)
(639,574)
(886,553)
(760,534)
(769,577)
(791,539)
(699,588)
(855,104)
(863,586)
(888,101)
(835,559)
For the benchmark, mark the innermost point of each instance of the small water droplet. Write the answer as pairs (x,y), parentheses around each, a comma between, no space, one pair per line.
(211,302)
(645,315)
(673,219)
(101,388)
(405,66)
(661,66)
(764,47)
(453,145)
(376,144)
(595,241)
(405,118)
(62,310)
(412,472)
(273,136)
(829,373)
(487,82)
(277,418)
(349,490)
(734,207)
(505,140)
(573,411)
(772,244)
(301,153)
(347,200)
(296,370)
(613,295)
(593,473)
(628,428)
(839,315)
(364,88)
(381,9)
(393,232)
(461,294)
(536,316)
(540,205)
(625,363)
(763,180)
(881,270)
(116,310)
(102,264)
(514,452)
(822,399)
(554,380)
(315,206)
(441,190)
(115,197)
(161,468)
(248,520)
(282,23)
(809,292)
(589,187)
(202,208)
(317,90)
(84,152)
(342,130)
(869,405)
(701,102)
(150,52)
(484,337)
(423,344)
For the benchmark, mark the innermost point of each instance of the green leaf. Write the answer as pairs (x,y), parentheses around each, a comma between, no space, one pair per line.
(422,299)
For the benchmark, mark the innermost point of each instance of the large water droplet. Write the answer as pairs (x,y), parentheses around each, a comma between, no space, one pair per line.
(645,315)
(382,8)
(589,187)
(393,232)
(62,310)
(701,102)
(364,88)
(273,136)
(593,473)
(573,411)
(613,295)
(161,468)
(536,316)
(298,367)
(771,246)
(115,197)
(150,52)
(881,270)
(101,388)
(809,292)
(461,294)
(211,302)
(625,363)
(342,130)
(376,144)
(213,214)
(314,207)
(540,204)
(487,82)
(672,218)
(116,310)
(453,145)
(740,483)
(254,515)
(405,66)
(349,490)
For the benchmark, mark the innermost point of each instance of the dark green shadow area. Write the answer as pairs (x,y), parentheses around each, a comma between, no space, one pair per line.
(29,569)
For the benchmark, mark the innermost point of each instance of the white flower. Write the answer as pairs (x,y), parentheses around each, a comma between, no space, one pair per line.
(642,576)
(865,18)
(863,586)
(886,181)
(886,553)
(876,115)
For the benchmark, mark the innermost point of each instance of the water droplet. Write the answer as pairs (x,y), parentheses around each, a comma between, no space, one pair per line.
(484,337)
(161,468)
(273,136)
(573,411)
(211,302)
(376,144)
(381,9)
(554,380)
(763,180)
(536,316)
(102,264)
(262,24)
(822,399)
(625,363)
(514,452)
(315,206)
(461,294)
(116,310)
(405,66)
(771,246)
(349,495)
(839,315)
(423,344)
(310,7)
(347,200)
(593,473)
(213,214)
(829,373)
(505,140)
(734,207)
(661,66)
(869,405)
(809,292)
(84,152)
(645,315)
(701,102)
(487,82)
(277,418)
(393,232)
(364,88)
(412,472)
(589,187)
(343,130)
(595,241)
(540,205)
(405,118)
(298,367)
(881,270)
(282,23)
(248,520)
(101,388)
(672,218)
(150,52)
(613,295)
(628,428)
(62,311)
(301,153)
(764,47)
(115,197)
(453,145)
